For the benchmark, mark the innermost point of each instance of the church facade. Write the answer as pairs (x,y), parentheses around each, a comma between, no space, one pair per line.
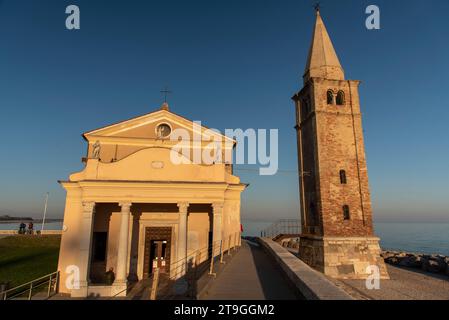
(131,209)
(337,230)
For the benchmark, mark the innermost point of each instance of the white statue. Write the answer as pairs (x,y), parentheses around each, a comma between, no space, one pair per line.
(96,150)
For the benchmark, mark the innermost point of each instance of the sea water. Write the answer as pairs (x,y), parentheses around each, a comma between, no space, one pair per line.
(411,237)
(37,226)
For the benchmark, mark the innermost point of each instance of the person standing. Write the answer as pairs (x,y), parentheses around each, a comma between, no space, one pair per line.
(30,228)
(22,228)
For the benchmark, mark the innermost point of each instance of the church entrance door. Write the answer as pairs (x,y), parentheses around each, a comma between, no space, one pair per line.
(158,255)
(157,250)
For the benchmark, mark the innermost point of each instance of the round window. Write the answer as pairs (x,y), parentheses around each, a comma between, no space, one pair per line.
(163,130)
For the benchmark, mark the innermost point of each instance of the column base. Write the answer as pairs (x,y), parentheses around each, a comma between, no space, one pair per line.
(82,292)
(343,257)
(119,289)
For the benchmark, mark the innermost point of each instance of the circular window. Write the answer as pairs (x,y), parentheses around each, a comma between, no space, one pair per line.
(163,130)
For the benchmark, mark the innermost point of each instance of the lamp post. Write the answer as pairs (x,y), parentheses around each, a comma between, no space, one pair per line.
(45,212)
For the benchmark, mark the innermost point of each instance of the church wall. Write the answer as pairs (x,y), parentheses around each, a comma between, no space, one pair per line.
(113,237)
(151,164)
(69,249)
(115,152)
(198,226)
(231,218)
(142,171)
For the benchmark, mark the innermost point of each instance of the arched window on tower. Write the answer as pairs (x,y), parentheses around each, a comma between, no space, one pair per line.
(330,97)
(346,213)
(342,176)
(340,98)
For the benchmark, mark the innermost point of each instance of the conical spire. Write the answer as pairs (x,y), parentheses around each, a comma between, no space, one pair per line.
(323,61)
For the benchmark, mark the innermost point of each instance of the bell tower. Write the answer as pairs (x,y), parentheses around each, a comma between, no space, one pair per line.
(337,231)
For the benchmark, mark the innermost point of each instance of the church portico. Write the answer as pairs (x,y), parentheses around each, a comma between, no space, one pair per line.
(142,212)
(121,237)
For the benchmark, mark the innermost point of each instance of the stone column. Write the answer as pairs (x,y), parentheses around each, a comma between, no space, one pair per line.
(217,232)
(85,248)
(182,237)
(122,252)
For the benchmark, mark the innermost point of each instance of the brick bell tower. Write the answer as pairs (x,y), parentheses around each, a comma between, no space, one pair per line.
(337,230)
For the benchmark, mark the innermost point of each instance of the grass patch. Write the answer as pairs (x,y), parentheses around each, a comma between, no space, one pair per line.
(25,258)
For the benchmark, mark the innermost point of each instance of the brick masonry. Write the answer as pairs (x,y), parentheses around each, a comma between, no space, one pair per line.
(330,139)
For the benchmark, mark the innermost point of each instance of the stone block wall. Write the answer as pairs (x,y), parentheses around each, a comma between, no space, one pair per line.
(343,258)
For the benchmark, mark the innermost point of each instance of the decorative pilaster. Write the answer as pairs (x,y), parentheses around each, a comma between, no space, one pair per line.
(85,247)
(218,217)
(122,253)
(182,235)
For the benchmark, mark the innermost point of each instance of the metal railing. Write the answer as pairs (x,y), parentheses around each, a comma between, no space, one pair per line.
(43,287)
(185,273)
(282,227)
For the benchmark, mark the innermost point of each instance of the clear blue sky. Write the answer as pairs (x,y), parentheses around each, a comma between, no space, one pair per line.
(231,64)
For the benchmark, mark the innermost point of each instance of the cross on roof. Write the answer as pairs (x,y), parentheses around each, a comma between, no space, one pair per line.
(317,7)
(166,92)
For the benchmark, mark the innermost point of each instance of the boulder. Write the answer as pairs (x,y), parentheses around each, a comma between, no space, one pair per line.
(434,265)
(446,261)
(387,254)
(393,260)
(412,261)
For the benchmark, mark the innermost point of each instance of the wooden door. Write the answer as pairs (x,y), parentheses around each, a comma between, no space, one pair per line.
(157,250)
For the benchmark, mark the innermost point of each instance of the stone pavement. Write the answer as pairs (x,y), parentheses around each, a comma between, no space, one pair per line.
(404,284)
(250,275)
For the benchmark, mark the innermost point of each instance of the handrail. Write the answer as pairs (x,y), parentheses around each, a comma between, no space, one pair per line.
(204,257)
(31,285)
(212,252)
(282,226)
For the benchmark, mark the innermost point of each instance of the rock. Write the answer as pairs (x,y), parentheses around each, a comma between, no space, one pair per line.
(446,261)
(412,261)
(434,265)
(387,254)
(392,260)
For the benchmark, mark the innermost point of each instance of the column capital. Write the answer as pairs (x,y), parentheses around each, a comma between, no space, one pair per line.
(126,206)
(218,207)
(183,207)
(88,207)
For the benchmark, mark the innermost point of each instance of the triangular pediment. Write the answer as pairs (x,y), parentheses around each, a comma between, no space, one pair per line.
(146,127)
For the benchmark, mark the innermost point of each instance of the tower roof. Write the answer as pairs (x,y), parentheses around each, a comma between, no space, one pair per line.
(323,60)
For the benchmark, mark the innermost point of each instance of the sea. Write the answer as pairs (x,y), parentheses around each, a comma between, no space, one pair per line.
(430,238)
(37,226)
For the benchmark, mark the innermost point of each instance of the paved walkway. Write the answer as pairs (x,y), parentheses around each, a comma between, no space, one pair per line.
(404,284)
(250,275)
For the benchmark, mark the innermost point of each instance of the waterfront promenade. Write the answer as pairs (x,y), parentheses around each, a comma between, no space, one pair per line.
(404,284)
(250,275)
